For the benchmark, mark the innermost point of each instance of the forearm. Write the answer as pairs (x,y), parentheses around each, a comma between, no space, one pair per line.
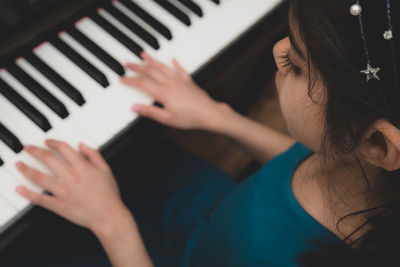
(122,242)
(260,141)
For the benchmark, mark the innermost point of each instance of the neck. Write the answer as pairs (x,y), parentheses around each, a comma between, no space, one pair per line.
(341,189)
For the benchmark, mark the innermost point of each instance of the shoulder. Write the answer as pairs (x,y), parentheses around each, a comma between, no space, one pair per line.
(290,158)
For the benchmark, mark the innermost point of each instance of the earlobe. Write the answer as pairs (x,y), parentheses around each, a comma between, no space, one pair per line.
(381,146)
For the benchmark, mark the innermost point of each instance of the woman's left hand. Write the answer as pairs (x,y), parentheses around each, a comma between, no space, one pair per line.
(83,189)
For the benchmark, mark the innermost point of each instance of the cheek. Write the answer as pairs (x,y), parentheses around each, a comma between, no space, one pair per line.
(287,94)
(302,115)
(278,81)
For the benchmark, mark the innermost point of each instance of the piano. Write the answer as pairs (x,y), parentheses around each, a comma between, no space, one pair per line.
(64,84)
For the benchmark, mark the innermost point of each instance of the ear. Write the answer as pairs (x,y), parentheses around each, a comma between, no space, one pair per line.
(381,145)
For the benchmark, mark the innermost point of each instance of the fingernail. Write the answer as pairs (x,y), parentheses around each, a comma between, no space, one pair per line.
(135,108)
(18,189)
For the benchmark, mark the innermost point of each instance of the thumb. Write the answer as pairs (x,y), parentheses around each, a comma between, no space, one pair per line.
(180,69)
(94,157)
(152,112)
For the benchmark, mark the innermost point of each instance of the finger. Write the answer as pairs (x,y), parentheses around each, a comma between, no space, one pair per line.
(94,157)
(150,60)
(44,181)
(180,69)
(138,68)
(143,83)
(72,156)
(152,112)
(51,161)
(149,71)
(43,200)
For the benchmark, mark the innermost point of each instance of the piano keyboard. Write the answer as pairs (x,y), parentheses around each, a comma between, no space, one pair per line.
(68,88)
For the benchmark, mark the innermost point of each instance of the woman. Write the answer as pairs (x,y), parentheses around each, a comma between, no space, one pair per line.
(329,197)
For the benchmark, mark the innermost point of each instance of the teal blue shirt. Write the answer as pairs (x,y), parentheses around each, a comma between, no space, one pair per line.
(259,223)
(197,216)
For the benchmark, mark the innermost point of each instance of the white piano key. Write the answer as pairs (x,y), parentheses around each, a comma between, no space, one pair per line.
(188,43)
(193,17)
(108,43)
(223,22)
(12,159)
(23,128)
(201,29)
(209,8)
(125,96)
(166,18)
(60,129)
(194,42)
(11,115)
(7,212)
(118,98)
(20,131)
(91,91)
(139,21)
(194,46)
(8,186)
(167,49)
(161,54)
(110,18)
(79,120)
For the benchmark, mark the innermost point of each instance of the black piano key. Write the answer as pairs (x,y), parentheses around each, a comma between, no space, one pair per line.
(216,1)
(176,12)
(111,62)
(133,26)
(1,162)
(117,34)
(39,91)
(154,23)
(57,79)
(86,66)
(24,106)
(195,8)
(10,139)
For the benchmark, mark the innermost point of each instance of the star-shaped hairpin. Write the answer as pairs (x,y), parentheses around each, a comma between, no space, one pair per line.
(371,72)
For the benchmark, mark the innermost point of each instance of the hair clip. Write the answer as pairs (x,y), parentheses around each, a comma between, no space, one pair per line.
(371,72)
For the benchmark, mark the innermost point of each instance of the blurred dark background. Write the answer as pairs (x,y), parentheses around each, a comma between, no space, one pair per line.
(14,13)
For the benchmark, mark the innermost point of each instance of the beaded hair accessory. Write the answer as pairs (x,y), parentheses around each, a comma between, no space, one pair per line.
(371,71)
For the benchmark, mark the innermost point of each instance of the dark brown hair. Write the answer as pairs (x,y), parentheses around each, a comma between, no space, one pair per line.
(333,41)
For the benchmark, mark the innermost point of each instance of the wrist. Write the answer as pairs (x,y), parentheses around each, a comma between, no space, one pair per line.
(121,239)
(220,119)
(107,226)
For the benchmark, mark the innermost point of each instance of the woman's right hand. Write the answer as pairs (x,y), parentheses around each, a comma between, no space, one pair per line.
(185,105)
